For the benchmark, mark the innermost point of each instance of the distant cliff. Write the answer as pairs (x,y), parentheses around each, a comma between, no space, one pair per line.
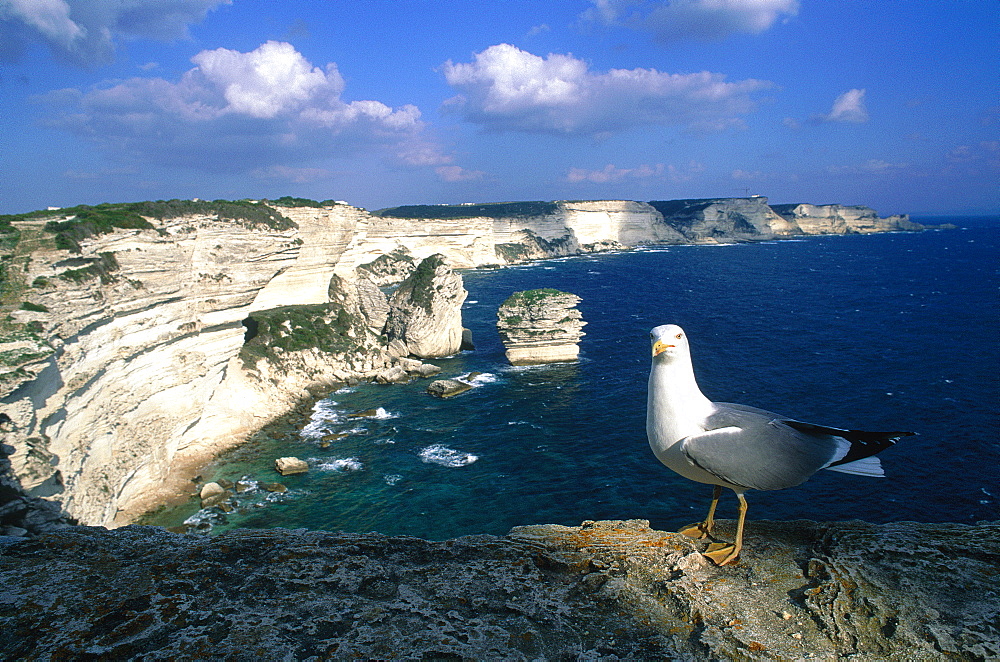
(139,340)
(840,219)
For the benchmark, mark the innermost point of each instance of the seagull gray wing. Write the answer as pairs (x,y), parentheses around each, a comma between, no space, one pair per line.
(757,449)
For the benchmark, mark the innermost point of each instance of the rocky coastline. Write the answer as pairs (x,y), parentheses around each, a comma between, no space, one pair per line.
(143,339)
(136,351)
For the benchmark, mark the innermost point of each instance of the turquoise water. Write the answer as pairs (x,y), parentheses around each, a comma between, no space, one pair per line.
(882,332)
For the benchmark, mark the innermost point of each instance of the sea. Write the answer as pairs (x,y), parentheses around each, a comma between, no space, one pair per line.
(888,332)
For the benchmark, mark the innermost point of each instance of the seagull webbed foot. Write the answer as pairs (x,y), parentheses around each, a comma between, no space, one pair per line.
(698,531)
(721,553)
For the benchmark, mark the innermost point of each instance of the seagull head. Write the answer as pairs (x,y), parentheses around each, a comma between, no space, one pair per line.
(668,341)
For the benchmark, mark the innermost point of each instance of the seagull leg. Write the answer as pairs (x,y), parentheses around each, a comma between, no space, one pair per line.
(725,554)
(699,531)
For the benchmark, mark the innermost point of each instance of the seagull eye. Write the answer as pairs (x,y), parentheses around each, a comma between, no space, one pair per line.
(679,336)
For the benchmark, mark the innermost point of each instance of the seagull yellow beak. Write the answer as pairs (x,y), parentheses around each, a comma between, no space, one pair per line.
(659,347)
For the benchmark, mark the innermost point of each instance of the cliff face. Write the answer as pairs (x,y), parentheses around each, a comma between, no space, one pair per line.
(602,590)
(147,375)
(134,361)
(725,220)
(841,219)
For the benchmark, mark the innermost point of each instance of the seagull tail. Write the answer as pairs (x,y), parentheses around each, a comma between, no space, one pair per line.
(868,466)
(862,447)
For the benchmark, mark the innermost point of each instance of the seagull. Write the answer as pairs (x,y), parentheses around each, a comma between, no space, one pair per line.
(739,447)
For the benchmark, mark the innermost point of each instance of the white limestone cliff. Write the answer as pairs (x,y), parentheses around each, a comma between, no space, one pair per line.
(843,219)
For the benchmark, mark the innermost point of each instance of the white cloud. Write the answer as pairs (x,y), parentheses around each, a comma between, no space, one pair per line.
(266,82)
(84,31)
(507,89)
(612,173)
(986,150)
(848,107)
(240,111)
(746,175)
(294,175)
(672,20)
(454,173)
(869,167)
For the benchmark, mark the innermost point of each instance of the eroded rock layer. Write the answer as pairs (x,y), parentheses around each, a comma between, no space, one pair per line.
(540,326)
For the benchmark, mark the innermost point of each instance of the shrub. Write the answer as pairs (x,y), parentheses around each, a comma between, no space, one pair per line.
(488,210)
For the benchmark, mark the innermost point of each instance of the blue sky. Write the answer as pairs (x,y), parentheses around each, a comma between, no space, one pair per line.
(892,104)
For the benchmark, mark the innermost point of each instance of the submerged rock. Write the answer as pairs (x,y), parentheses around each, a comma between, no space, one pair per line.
(447,388)
(288,466)
(540,326)
(602,590)
(209,490)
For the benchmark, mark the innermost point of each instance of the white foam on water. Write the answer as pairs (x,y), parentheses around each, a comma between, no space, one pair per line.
(381,414)
(339,465)
(446,457)
(281,497)
(480,379)
(325,412)
(392,479)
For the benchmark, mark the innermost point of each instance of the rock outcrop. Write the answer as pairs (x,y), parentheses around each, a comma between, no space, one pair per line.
(540,326)
(425,313)
(448,388)
(21,514)
(602,590)
(289,466)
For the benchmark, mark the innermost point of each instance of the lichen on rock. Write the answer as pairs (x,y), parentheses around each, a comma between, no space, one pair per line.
(606,590)
(540,326)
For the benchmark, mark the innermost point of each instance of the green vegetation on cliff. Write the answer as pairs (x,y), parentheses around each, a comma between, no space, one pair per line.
(488,210)
(289,201)
(71,225)
(421,281)
(89,268)
(530,297)
(686,207)
(327,327)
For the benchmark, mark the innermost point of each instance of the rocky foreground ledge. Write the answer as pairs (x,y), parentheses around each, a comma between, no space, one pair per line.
(605,590)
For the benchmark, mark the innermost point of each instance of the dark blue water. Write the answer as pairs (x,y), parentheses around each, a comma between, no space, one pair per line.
(881,332)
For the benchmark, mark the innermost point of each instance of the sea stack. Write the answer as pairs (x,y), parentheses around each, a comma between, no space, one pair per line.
(540,326)
(425,313)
